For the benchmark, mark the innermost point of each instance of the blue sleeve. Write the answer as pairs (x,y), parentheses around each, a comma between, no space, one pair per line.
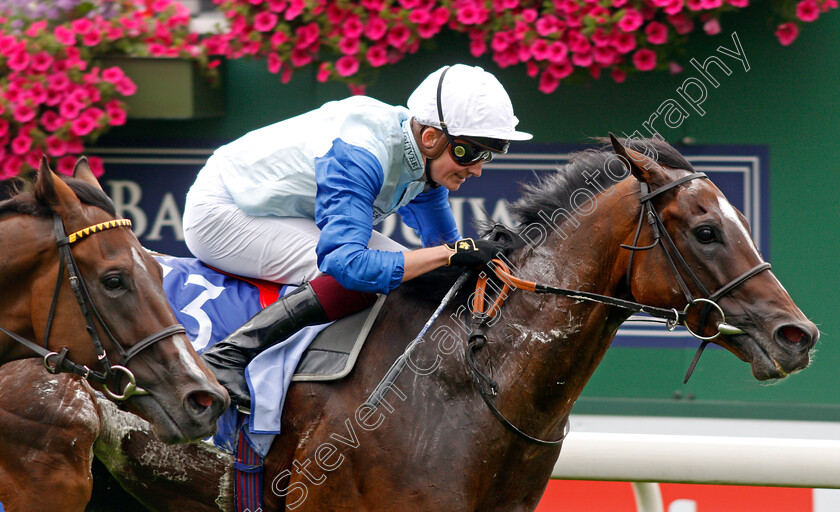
(430,215)
(349,179)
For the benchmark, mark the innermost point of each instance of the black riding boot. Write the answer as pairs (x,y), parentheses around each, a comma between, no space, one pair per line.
(229,357)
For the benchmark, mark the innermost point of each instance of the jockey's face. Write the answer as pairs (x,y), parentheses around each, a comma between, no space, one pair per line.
(445,171)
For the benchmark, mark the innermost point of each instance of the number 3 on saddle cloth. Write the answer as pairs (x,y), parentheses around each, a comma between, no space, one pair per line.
(211,305)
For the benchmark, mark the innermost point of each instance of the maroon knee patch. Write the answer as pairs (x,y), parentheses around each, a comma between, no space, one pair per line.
(338,301)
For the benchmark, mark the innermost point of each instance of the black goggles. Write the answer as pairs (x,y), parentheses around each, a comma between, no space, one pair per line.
(468,150)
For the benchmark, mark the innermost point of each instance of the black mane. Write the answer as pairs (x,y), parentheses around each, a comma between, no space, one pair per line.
(23,202)
(586,170)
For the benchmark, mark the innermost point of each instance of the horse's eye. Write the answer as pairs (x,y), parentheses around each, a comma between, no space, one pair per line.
(705,234)
(113,282)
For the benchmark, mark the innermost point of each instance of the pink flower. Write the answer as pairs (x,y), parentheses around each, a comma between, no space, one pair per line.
(126,86)
(657,33)
(19,60)
(694,5)
(547,25)
(4,127)
(69,109)
(356,90)
(116,113)
(51,120)
(712,27)
(582,59)
(275,63)
(23,113)
(82,126)
(323,72)
(787,33)
(295,8)
(41,61)
(160,5)
(540,49)
(376,28)
(624,42)
(478,46)
(81,26)
(548,82)
(265,21)
(618,75)
(472,14)
(398,36)
(348,46)
(711,4)
(346,66)
(35,28)
(92,38)
(807,10)
(66,164)
(277,39)
(377,56)
(419,17)
(11,167)
(21,144)
(97,166)
(644,59)
(113,74)
(56,146)
(604,55)
(631,20)
(559,52)
(352,27)
(738,3)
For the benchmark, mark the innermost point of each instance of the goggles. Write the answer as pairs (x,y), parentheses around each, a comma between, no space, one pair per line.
(469,150)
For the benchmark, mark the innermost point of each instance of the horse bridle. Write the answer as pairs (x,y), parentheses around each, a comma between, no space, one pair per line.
(488,388)
(57,362)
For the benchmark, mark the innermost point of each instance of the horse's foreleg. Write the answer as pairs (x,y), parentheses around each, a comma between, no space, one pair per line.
(194,476)
(48,424)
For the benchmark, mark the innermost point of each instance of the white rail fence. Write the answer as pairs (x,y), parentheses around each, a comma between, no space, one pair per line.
(707,451)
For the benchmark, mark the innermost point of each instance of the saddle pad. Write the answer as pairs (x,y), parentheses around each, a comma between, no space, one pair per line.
(333,353)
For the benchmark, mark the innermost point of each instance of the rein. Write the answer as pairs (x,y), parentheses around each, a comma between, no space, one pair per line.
(488,388)
(57,362)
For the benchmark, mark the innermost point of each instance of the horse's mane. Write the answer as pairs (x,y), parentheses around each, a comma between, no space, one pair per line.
(553,192)
(24,202)
(546,195)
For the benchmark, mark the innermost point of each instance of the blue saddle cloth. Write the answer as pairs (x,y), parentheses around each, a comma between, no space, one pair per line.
(211,305)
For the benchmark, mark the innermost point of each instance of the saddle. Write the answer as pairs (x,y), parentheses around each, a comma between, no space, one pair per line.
(211,304)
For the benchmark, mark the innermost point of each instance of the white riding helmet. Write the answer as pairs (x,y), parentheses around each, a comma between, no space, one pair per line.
(470,101)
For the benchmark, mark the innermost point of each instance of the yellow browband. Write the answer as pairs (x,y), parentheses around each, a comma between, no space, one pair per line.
(116,223)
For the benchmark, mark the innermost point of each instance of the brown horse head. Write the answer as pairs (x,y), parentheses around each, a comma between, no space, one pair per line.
(722,263)
(123,305)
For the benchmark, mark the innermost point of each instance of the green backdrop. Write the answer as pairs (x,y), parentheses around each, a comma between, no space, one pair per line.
(789,100)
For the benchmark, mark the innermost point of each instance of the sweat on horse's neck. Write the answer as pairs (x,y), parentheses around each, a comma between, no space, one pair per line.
(553,344)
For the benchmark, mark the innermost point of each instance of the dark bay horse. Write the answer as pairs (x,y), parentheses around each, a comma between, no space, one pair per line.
(478,425)
(81,293)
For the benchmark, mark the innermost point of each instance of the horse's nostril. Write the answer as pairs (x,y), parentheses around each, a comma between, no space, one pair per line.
(200,400)
(793,334)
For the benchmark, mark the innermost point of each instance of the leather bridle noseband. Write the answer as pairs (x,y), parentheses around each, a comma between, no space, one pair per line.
(488,388)
(57,362)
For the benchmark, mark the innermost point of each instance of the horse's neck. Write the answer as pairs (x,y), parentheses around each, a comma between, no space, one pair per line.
(553,344)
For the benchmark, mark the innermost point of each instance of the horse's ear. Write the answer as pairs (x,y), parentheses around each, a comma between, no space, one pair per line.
(643,167)
(82,172)
(51,190)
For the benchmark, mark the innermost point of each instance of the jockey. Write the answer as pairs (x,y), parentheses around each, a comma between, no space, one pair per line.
(295,202)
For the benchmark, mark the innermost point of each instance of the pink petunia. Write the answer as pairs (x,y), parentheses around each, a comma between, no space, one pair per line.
(35,28)
(547,25)
(56,146)
(398,36)
(23,113)
(81,26)
(82,126)
(51,120)
(807,10)
(644,59)
(277,39)
(419,17)
(66,165)
(377,55)
(624,42)
(21,144)
(275,63)
(69,109)
(711,4)
(348,46)
(19,60)
(346,66)
(160,5)
(116,113)
(126,87)
(478,47)
(356,90)
(323,72)
(787,33)
(657,33)
(97,166)
(559,52)
(376,28)
(582,59)
(631,20)
(352,27)
(113,74)
(548,82)
(294,9)
(41,62)
(92,38)
(540,49)
(265,21)
(712,27)
(738,3)
(11,167)
(618,75)
(4,127)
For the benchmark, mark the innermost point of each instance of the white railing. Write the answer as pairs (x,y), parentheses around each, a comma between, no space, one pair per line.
(705,457)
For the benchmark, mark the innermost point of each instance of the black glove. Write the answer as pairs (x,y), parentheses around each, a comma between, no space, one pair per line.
(473,253)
